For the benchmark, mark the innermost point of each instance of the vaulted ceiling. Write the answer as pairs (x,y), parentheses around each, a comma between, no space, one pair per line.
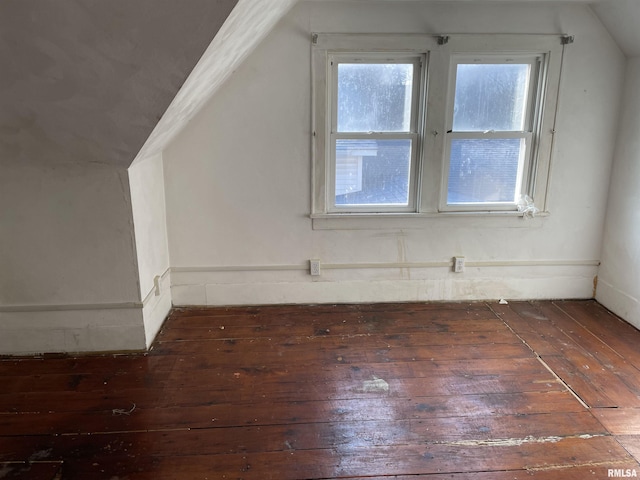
(89,80)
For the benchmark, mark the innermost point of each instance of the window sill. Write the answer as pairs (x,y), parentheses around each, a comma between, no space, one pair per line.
(375,221)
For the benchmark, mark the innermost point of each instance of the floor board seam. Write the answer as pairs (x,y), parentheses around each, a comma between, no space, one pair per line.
(544,364)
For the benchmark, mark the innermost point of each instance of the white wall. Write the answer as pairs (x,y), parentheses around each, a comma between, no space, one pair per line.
(238,178)
(68,278)
(618,282)
(146,179)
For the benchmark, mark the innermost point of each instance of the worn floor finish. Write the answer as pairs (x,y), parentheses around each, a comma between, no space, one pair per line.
(542,390)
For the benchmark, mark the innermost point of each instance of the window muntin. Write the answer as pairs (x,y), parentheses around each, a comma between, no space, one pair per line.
(373,141)
(492,122)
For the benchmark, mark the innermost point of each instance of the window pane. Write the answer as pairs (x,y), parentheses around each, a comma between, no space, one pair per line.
(491,97)
(374,97)
(484,170)
(372,172)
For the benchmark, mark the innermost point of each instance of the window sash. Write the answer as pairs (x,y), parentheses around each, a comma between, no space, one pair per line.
(416,101)
(532,95)
(373,207)
(521,176)
(533,103)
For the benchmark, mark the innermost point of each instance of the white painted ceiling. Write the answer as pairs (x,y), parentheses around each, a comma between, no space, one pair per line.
(89,80)
(622,19)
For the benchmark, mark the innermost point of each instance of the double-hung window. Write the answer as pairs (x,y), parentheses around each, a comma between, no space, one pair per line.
(374,132)
(427,125)
(491,123)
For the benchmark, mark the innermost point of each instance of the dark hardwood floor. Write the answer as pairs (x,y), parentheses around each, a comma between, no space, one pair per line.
(481,391)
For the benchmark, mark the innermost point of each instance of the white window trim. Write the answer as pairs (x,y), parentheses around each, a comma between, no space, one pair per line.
(325,46)
(431,161)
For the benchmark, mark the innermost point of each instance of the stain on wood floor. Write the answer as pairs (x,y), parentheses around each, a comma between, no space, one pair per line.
(541,390)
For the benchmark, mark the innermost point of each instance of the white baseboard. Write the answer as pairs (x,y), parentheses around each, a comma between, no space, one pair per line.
(73,330)
(354,285)
(622,304)
(83,328)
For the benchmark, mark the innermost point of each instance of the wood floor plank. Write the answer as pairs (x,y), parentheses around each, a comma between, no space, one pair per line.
(556,340)
(525,329)
(619,335)
(310,436)
(274,311)
(317,352)
(188,392)
(591,394)
(202,328)
(572,359)
(603,368)
(31,471)
(270,413)
(619,421)
(631,444)
(623,387)
(90,364)
(565,473)
(480,376)
(351,462)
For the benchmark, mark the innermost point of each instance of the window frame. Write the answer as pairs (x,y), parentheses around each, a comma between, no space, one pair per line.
(431,165)
(529,133)
(412,134)
(323,47)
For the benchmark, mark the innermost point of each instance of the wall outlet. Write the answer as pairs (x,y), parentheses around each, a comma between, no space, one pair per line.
(458,264)
(314,267)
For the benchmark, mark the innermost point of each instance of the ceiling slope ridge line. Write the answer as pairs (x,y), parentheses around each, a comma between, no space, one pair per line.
(247,25)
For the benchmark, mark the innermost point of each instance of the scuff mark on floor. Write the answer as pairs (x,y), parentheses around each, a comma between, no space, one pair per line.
(512,442)
(576,465)
(375,385)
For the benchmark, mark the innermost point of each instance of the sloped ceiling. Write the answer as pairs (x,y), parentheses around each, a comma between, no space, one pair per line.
(87,80)
(622,19)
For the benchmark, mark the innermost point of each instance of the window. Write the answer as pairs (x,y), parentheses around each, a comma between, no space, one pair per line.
(373,139)
(490,131)
(428,125)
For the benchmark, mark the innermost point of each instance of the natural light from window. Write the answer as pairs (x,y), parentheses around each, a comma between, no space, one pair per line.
(372,138)
(489,138)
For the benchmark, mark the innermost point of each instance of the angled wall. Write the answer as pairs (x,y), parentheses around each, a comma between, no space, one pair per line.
(618,282)
(146,179)
(82,88)
(68,261)
(238,178)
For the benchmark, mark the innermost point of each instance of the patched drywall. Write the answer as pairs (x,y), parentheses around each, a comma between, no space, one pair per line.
(238,178)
